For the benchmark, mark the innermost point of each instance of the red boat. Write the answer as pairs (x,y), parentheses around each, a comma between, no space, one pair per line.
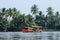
(31,30)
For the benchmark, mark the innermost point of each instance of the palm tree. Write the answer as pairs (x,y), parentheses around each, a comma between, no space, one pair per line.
(34,9)
(50,11)
(50,17)
(57,20)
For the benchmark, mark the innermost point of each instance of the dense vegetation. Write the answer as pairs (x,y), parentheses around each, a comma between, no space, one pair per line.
(12,20)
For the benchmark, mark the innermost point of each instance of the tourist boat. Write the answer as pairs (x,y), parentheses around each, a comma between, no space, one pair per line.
(29,29)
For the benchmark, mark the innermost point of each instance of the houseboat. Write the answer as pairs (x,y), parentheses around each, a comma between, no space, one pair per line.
(32,29)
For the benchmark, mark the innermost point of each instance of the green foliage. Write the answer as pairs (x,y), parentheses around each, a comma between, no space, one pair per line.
(20,21)
(34,9)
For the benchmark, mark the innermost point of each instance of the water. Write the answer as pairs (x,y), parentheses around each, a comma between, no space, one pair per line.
(30,36)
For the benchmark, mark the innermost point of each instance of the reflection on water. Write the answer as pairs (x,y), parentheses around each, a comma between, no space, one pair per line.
(29,36)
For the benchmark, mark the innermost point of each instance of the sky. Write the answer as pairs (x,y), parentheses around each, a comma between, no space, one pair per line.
(24,6)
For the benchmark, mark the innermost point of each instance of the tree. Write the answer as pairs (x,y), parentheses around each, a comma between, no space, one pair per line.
(40,19)
(57,20)
(3,10)
(30,20)
(34,9)
(50,11)
(50,18)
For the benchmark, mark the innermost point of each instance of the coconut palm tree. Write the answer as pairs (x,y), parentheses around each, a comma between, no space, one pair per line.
(34,9)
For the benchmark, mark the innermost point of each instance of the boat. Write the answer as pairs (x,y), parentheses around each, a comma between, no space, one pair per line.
(30,29)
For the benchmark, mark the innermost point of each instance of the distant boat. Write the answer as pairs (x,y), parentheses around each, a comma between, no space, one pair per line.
(30,29)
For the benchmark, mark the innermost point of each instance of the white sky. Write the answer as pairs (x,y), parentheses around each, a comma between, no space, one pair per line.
(25,5)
